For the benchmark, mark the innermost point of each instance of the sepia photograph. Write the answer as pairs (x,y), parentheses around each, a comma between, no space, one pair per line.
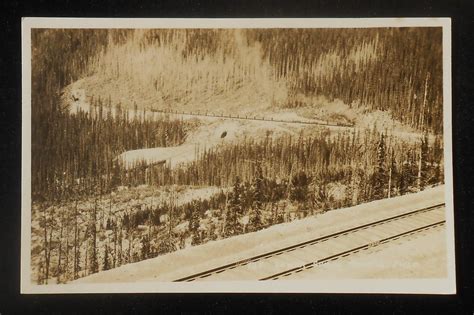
(237,155)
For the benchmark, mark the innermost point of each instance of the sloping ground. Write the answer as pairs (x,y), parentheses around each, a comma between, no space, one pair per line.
(217,131)
(211,133)
(422,255)
(213,254)
(123,201)
(234,77)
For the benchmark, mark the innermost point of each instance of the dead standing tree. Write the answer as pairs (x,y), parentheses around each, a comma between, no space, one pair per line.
(76,245)
(47,223)
(94,264)
(59,269)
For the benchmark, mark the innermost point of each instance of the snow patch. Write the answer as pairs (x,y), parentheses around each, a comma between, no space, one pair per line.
(217,253)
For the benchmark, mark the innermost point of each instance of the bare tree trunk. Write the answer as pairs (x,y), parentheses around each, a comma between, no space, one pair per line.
(115,245)
(67,253)
(76,249)
(85,261)
(119,254)
(170,213)
(225,212)
(49,252)
(94,262)
(422,118)
(59,271)
(354,185)
(46,254)
(389,194)
(130,241)
(418,178)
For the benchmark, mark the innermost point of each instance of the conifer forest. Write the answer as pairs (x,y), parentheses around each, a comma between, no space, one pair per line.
(231,131)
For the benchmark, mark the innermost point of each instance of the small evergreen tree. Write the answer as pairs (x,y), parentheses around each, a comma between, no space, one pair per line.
(405,180)
(393,176)
(280,216)
(212,232)
(145,247)
(194,227)
(93,263)
(258,199)
(166,245)
(106,264)
(299,187)
(119,250)
(379,177)
(355,189)
(422,166)
(234,212)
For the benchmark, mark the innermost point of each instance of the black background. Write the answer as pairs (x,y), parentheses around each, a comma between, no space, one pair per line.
(11,302)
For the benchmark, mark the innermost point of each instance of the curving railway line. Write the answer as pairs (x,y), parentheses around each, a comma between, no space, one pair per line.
(284,262)
(257,118)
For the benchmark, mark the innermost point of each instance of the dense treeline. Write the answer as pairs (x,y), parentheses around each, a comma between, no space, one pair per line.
(76,176)
(330,158)
(83,156)
(188,69)
(396,69)
(76,153)
(106,232)
(59,57)
(393,69)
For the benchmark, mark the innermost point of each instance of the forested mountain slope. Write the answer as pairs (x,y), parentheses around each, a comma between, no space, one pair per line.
(265,173)
(254,70)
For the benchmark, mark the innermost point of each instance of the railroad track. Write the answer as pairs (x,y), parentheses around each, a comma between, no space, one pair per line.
(255,118)
(296,258)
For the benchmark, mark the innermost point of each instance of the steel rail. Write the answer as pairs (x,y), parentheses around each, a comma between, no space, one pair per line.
(350,251)
(252,259)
